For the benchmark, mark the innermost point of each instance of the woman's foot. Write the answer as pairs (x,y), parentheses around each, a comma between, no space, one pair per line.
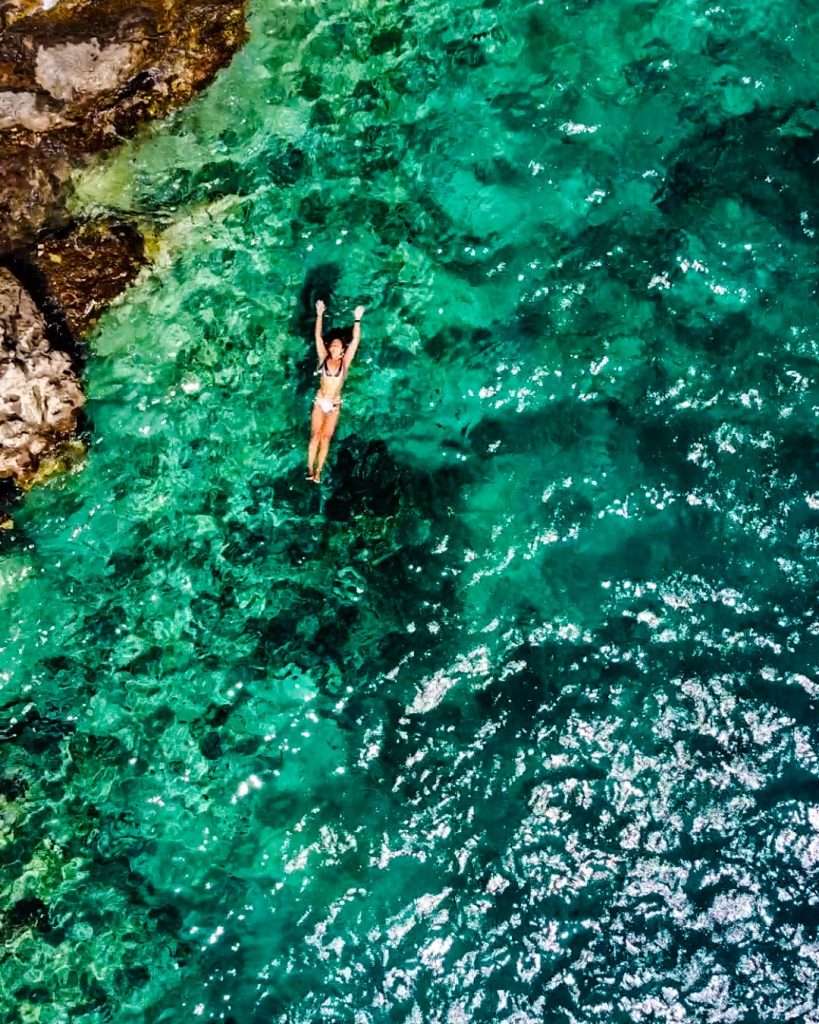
(316,479)
(309,475)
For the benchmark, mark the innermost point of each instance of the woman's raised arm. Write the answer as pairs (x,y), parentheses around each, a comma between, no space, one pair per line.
(321,351)
(352,348)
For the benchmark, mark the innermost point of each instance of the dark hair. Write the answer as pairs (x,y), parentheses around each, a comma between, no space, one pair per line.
(339,334)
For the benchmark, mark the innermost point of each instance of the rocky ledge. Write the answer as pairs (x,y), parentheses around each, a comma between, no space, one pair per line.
(77,77)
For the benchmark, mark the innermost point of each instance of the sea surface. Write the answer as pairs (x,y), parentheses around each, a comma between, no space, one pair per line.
(514,719)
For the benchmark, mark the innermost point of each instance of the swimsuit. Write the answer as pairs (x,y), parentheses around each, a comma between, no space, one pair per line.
(329,403)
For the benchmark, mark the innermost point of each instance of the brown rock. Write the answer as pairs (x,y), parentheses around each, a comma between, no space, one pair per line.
(85,267)
(76,76)
(79,76)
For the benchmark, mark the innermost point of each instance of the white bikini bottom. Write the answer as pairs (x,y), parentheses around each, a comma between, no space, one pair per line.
(328,404)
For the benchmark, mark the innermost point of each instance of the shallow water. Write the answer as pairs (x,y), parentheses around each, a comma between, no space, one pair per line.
(516,719)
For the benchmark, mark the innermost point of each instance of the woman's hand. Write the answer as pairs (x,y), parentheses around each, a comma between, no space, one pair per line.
(320,307)
(358,312)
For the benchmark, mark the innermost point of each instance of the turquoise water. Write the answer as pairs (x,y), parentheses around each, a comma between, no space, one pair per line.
(514,720)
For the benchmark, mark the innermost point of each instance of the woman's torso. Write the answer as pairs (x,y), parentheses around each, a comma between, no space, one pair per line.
(331,378)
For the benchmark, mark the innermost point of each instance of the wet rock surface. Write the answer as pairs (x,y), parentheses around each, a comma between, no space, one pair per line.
(77,77)
(77,288)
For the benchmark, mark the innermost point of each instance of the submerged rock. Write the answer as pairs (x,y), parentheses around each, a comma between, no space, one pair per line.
(366,481)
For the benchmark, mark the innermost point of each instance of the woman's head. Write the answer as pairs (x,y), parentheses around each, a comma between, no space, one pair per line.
(336,346)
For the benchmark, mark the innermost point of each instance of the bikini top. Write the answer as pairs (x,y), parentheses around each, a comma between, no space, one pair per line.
(323,371)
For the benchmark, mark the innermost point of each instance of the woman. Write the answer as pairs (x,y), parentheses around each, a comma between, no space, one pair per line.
(334,362)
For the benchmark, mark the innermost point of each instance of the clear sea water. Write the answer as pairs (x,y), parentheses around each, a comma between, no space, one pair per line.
(515,719)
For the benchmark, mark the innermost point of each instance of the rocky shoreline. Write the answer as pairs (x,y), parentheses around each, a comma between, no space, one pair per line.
(76,77)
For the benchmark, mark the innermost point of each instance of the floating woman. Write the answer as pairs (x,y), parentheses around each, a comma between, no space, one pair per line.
(334,362)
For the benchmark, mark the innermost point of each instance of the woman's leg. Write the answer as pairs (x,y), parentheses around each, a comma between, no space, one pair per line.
(328,427)
(316,424)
